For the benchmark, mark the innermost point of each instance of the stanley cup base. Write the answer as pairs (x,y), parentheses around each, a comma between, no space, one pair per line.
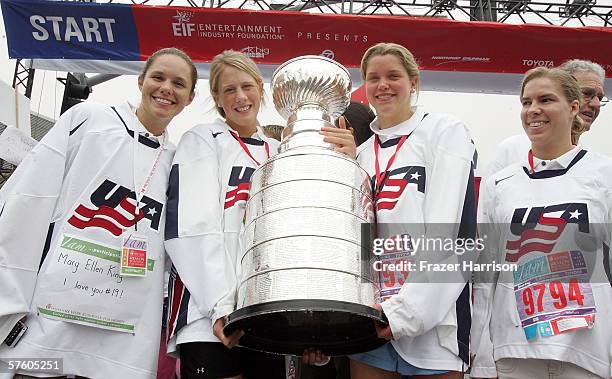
(292,326)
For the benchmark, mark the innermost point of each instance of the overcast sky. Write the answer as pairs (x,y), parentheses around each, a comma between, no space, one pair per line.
(490,118)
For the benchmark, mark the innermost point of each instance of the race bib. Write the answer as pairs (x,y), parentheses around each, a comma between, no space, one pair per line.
(392,267)
(553,294)
(82,283)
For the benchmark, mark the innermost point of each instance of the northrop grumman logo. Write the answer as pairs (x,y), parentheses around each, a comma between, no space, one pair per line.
(72,29)
(182,27)
(255,52)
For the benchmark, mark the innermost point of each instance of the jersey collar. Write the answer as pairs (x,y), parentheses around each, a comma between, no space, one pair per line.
(555,167)
(127,115)
(257,138)
(558,163)
(401,129)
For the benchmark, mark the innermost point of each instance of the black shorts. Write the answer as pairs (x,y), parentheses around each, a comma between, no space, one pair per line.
(204,360)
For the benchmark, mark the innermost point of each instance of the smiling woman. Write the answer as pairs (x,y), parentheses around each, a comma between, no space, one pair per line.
(550,101)
(90,196)
(237,88)
(422,172)
(554,206)
(165,91)
(209,187)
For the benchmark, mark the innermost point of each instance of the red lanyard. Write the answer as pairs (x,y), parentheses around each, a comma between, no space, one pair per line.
(139,194)
(530,159)
(380,181)
(246,149)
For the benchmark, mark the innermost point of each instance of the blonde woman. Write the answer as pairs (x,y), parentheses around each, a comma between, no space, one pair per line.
(421,167)
(550,216)
(209,188)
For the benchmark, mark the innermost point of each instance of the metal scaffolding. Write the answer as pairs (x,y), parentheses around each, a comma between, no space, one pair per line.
(6,169)
(551,12)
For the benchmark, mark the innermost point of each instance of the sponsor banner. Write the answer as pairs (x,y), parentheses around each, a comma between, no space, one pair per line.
(115,32)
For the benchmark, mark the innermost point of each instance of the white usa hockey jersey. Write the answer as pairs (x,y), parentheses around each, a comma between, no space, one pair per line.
(558,217)
(431,181)
(79,181)
(208,191)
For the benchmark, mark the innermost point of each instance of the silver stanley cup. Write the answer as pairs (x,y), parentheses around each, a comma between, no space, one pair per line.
(305,279)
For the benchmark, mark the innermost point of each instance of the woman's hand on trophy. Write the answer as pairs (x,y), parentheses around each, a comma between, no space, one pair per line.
(315,357)
(382,330)
(229,341)
(341,137)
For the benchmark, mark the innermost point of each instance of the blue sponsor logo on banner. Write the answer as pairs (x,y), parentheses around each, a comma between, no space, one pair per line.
(70,30)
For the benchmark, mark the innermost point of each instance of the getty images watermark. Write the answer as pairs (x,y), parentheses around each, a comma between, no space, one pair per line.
(408,254)
(562,249)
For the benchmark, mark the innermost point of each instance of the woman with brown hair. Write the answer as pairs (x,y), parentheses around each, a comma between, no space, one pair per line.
(81,234)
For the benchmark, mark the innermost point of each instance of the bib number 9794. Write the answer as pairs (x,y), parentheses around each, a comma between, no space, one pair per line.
(558,294)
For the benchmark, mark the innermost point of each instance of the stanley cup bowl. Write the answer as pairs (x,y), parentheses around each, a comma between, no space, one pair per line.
(309,92)
(311,79)
(305,278)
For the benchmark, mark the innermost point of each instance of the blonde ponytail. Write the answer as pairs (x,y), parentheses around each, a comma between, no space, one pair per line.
(578,127)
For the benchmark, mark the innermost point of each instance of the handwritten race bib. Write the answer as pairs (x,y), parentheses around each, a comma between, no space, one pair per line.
(82,283)
(553,295)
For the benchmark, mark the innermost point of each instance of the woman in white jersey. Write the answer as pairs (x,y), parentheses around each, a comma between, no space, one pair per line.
(81,233)
(421,167)
(550,217)
(209,189)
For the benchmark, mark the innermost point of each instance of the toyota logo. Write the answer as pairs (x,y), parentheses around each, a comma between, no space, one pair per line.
(328,54)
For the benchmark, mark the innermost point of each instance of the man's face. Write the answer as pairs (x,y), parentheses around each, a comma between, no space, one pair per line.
(592,91)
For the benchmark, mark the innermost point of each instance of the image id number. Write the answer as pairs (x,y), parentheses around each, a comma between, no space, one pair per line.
(46,365)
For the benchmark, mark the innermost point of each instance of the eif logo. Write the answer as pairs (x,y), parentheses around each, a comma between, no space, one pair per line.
(183,28)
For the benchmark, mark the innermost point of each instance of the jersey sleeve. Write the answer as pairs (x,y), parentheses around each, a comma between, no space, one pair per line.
(27,204)
(450,212)
(511,150)
(501,159)
(483,364)
(194,232)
